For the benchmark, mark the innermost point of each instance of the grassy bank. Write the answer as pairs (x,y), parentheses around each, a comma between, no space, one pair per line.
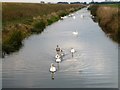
(23,19)
(108,17)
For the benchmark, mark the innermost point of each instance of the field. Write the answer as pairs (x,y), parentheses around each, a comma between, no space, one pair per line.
(19,12)
(23,19)
(108,17)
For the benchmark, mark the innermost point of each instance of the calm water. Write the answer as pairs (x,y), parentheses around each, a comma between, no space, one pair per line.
(95,63)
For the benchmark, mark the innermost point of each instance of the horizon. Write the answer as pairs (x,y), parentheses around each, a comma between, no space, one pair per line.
(54,1)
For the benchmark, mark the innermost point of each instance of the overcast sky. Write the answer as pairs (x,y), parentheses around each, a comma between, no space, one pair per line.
(53,0)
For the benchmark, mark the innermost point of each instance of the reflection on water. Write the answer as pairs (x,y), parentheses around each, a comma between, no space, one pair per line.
(95,62)
(52,76)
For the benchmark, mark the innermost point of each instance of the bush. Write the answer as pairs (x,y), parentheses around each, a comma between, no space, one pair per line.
(38,26)
(93,9)
(52,20)
(13,41)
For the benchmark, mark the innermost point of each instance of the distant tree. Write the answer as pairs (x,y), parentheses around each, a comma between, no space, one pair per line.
(42,2)
(74,2)
(62,3)
(84,3)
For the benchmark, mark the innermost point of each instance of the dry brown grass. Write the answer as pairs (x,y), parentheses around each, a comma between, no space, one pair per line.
(18,12)
(108,18)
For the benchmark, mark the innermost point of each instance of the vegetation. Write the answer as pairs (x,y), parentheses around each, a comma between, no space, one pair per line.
(108,17)
(22,19)
(20,12)
(0,30)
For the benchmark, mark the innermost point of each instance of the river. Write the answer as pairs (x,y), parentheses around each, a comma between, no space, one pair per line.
(94,65)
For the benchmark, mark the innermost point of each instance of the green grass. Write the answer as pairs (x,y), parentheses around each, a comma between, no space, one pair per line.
(13,42)
(113,5)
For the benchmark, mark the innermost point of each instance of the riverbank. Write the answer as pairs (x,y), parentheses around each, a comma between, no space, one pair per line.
(108,18)
(23,19)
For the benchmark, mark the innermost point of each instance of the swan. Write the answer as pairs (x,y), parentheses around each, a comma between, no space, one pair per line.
(52,68)
(74,17)
(70,15)
(58,49)
(82,16)
(62,53)
(92,16)
(57,56)
(75,33)
(58,60)
(72,50)
(63,17)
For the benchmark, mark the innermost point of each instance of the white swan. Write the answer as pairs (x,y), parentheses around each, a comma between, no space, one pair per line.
(74,17)
(70,15)
(75,33)
(63,17)
(58,60)
(52,68)
(62,53)
(82,16)
(92,16)
(72,50)
(57,56)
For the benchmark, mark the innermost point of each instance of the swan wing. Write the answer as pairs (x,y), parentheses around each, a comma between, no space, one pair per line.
(52,69)
(58,60)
